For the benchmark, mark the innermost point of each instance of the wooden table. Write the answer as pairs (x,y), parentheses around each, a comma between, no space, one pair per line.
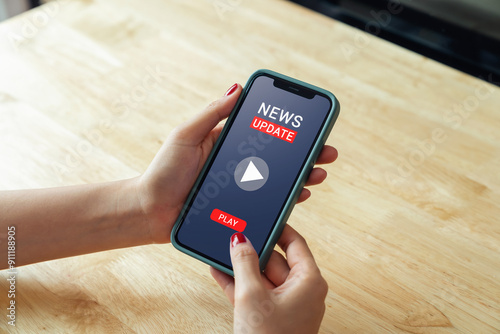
(405,229)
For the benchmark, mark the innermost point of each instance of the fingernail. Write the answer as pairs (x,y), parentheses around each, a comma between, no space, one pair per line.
(231,90)
(237,238)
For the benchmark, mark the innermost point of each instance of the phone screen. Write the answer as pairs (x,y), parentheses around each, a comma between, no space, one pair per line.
(255,168)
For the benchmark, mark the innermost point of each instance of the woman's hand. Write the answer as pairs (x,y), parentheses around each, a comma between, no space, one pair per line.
(67,221)
(289,297)
(164,187)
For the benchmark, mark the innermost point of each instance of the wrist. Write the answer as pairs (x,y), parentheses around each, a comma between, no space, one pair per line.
(158,217)
(131,220)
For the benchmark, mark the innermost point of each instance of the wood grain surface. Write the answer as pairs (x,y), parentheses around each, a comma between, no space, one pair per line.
(405,229)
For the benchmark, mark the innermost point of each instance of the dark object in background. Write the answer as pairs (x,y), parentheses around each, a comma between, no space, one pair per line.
(9,8)
(464,34)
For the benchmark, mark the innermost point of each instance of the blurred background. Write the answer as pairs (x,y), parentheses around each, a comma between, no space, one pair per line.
(464,34)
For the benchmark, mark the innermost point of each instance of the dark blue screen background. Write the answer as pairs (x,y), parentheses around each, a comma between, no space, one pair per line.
(259,208)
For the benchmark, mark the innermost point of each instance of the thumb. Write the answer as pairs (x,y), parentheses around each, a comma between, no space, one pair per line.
(196,129)
(245,265)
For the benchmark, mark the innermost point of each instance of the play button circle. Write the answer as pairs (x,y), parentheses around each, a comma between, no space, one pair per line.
(251,173)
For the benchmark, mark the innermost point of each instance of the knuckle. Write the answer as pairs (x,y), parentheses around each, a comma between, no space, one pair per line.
(179,133)
(249,294)
(323,287)
(244,254)
(301,239)
(213,105)
(314,279)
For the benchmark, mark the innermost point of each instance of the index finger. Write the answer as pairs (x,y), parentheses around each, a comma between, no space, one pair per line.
(295,247)
(328,155)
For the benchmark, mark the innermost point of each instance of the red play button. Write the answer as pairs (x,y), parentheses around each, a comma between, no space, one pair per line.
(228,220)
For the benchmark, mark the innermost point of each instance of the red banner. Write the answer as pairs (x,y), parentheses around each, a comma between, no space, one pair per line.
(273,129)
(228,220)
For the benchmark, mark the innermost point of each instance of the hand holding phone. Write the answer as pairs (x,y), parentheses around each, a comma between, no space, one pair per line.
(164,186)
(257,168)
(278,295)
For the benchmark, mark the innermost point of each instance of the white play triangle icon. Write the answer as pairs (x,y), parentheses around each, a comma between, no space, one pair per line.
(251,173)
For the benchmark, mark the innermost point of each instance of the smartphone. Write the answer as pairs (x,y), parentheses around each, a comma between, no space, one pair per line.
(257,168)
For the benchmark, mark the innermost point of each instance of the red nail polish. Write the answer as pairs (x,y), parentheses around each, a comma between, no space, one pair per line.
(231,90)
(237,238)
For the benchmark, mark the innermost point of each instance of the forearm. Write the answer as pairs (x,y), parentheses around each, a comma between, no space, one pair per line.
(60,222)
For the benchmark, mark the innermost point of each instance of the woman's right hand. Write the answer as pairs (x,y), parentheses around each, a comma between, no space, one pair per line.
(289,297)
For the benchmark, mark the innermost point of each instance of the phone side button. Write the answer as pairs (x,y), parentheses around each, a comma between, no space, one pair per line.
(228,220)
